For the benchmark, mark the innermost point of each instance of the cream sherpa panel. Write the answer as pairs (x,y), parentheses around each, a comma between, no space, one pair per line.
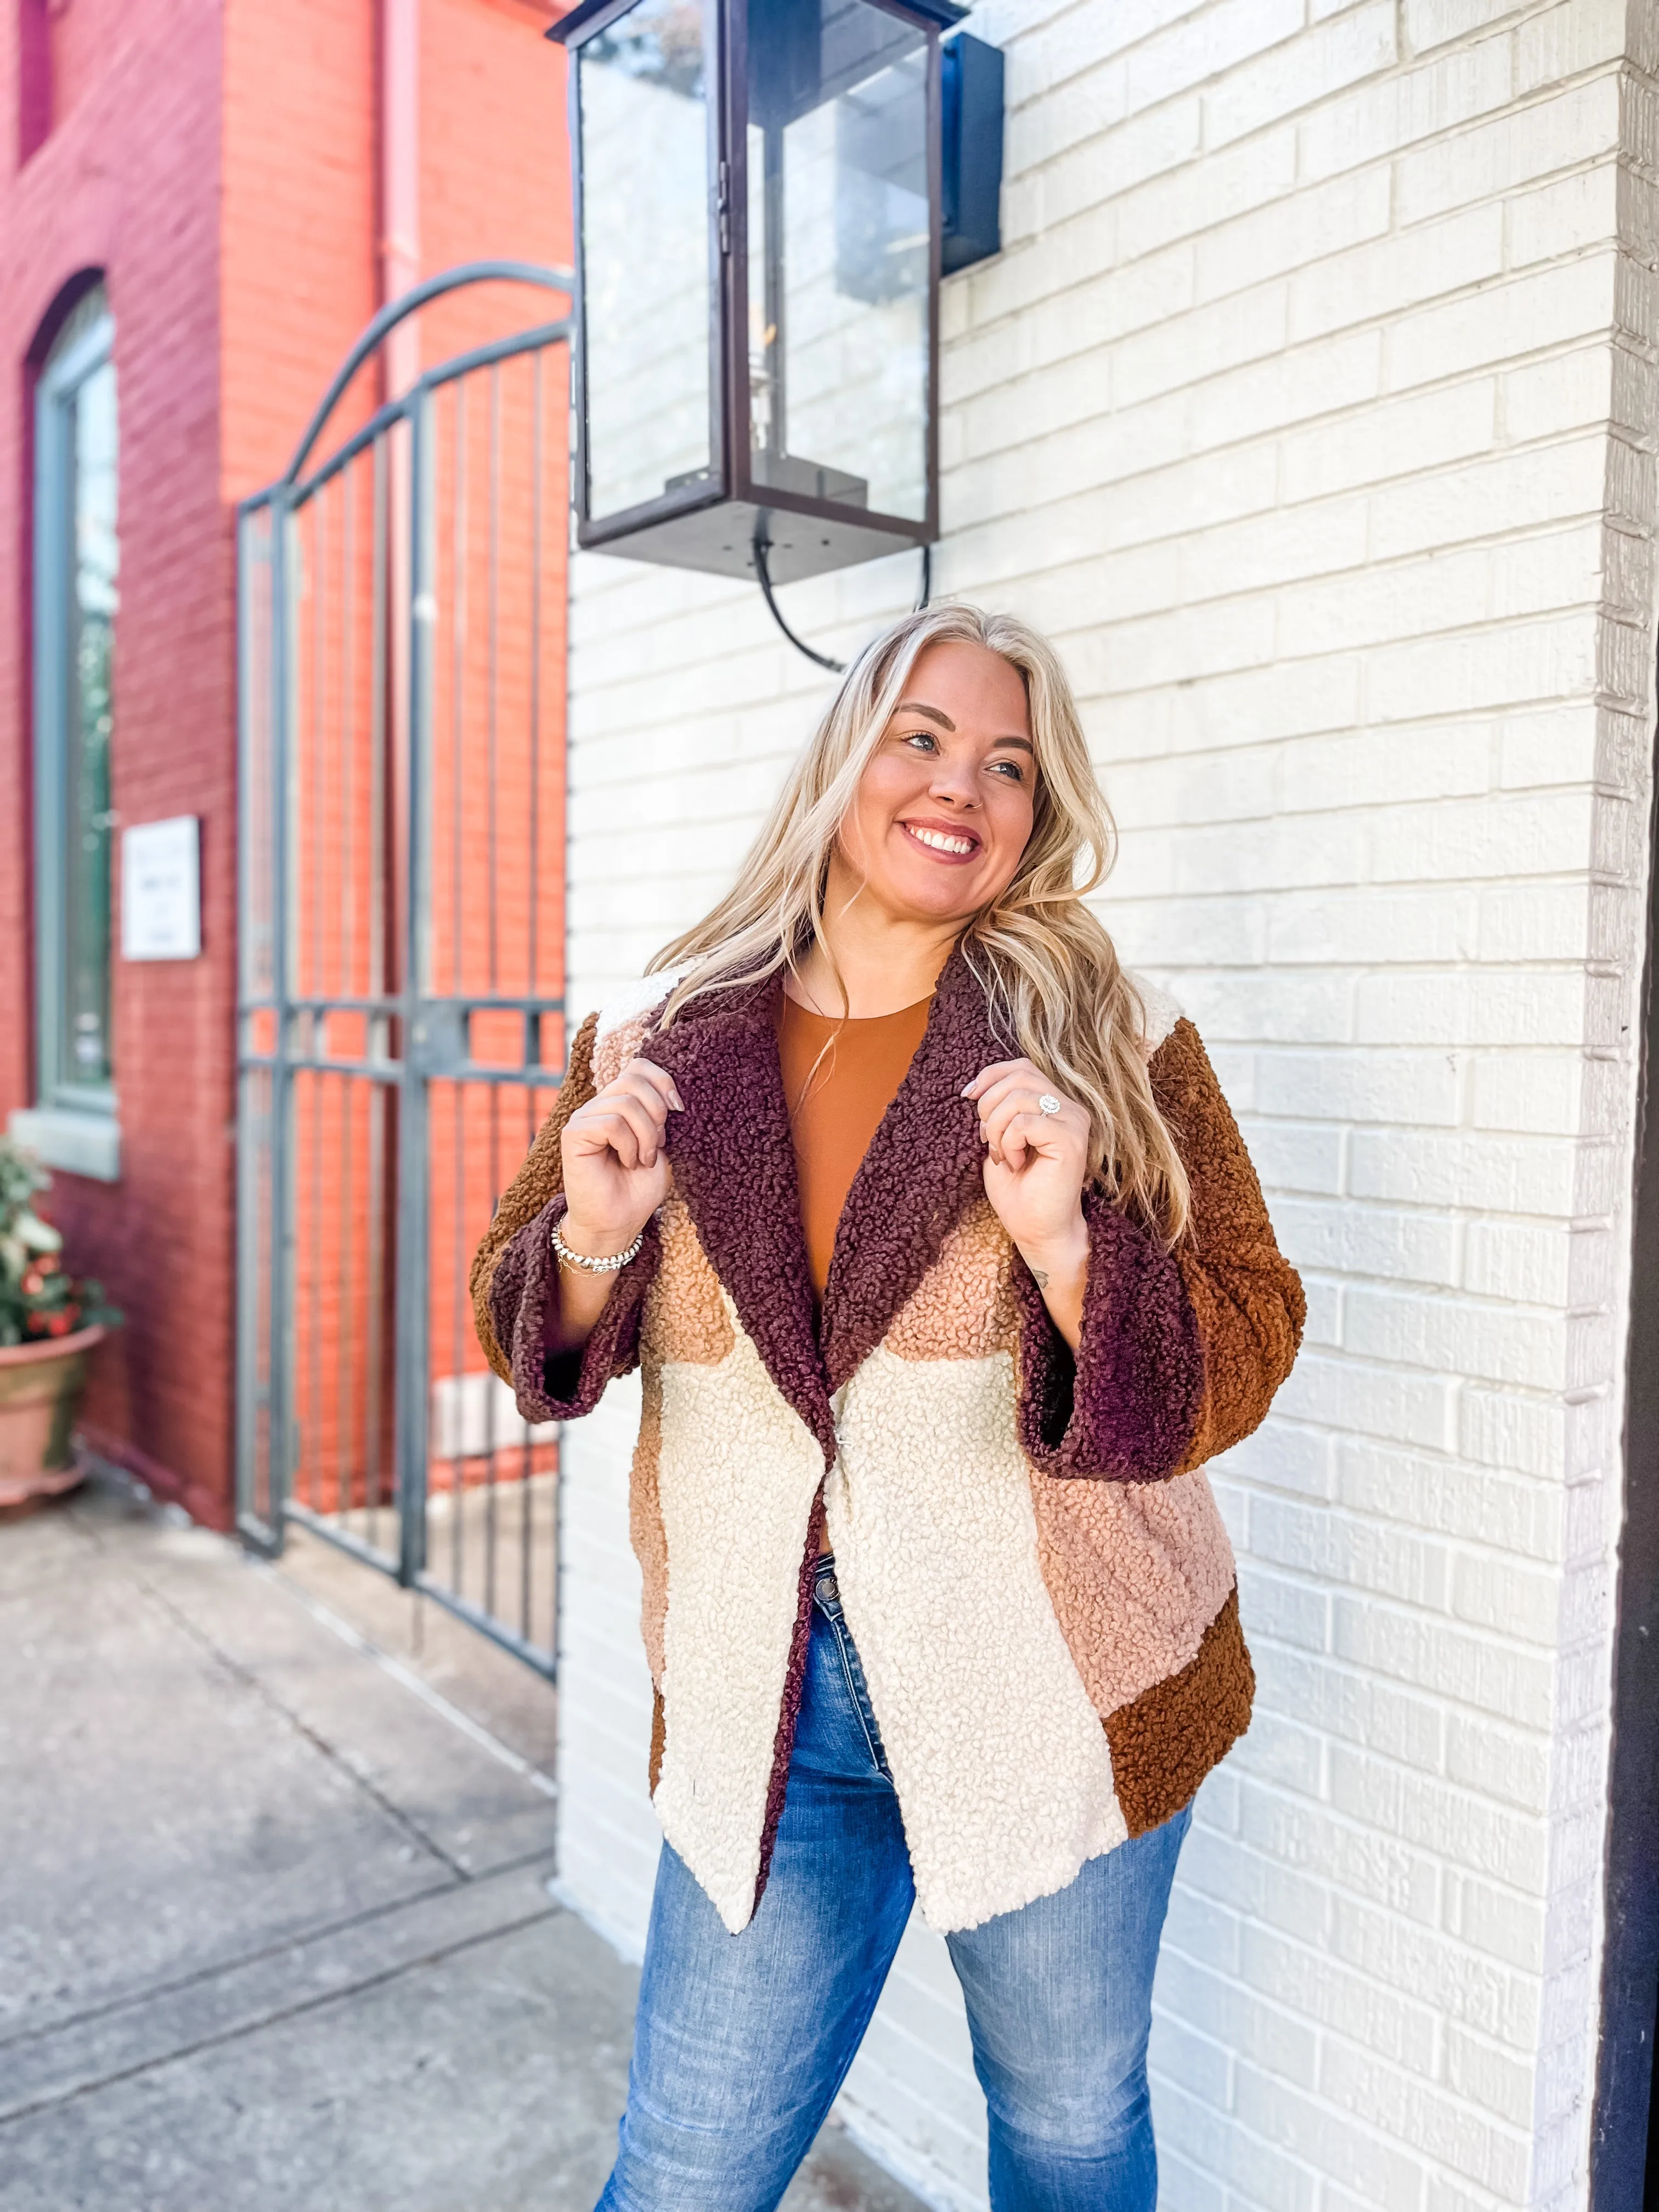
(1002,1768)
(1136,1571)
(737,1473)
(1162,1011)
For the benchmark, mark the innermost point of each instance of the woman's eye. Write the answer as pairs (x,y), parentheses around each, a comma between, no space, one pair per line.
(921,738)
(1012,769)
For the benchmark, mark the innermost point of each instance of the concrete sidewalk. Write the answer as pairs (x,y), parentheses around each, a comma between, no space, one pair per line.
(275,1927)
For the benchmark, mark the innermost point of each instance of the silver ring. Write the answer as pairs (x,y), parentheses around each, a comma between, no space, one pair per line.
(1048,1103)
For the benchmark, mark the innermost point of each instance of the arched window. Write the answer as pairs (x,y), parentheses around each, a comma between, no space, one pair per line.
(76,562)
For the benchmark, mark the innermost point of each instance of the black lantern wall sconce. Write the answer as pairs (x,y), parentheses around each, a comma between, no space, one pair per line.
(767,194)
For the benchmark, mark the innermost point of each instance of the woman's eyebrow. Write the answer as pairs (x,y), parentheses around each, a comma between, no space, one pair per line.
(933,713)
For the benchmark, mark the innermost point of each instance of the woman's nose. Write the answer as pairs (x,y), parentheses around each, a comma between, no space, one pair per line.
(953,785)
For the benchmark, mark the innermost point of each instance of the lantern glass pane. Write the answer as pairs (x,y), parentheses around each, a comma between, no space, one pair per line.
(642,101)
(838,241)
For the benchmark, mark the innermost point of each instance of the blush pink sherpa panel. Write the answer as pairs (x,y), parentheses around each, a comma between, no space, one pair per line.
(1136,1572)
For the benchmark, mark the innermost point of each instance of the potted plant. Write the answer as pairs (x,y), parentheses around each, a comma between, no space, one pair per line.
(50,1325)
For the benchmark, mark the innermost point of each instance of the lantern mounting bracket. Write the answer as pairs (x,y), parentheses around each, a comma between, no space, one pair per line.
(762,570)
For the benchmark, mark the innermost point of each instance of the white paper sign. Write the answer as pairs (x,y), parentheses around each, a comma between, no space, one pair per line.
(161,890)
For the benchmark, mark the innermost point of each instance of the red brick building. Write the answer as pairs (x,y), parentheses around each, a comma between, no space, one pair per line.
(202,204)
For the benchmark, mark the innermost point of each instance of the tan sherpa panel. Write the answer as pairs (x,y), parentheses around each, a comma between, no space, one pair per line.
(539,1180)
(963,1308)
(738,1474)
(1166,1742)
(1246,1297)
(645,1527)
(1002,1768)
(614,1048)
(1136,1572)
(686,1314)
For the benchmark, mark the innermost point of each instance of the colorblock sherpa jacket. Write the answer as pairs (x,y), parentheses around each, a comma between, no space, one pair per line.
(1032,1564)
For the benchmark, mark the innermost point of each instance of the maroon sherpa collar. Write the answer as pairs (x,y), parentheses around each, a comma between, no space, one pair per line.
(734,1165)
(924,1169)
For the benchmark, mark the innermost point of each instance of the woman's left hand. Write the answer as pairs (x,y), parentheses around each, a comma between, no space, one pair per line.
(1035,1166)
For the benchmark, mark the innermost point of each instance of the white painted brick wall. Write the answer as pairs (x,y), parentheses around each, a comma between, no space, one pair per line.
(1311,407)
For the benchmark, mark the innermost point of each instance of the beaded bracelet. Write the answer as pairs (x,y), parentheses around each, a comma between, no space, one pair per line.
(591,1266)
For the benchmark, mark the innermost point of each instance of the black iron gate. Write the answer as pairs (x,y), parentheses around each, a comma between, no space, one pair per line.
(401,640)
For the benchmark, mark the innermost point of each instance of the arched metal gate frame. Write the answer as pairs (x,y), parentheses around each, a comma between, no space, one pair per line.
(369,1010)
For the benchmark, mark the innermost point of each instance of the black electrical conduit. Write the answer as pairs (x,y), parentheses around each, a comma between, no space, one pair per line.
(835,667)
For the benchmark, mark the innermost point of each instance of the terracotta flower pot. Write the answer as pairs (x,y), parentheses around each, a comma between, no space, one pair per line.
(41,1387)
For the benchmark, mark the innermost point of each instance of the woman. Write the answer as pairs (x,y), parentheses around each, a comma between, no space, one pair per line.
(945,1268)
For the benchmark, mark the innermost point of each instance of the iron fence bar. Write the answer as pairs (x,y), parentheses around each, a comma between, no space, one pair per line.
(391,1002)
(390,412)
(379,725)
(391,1072)
(346,1540)
(396,311)
(484,356)
(459,609)
(345,1334)
(493,545)
(256,1144)
(309,1437)
(544,1662)
(413,1187)
(532,1026)
(279,1422)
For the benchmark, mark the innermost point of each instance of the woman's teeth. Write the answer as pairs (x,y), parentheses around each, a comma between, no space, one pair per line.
(939,841)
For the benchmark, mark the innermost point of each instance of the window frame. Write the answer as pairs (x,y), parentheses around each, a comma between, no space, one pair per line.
(73,1125)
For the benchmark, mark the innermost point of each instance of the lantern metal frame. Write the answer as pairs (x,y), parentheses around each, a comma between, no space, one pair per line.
(714,525)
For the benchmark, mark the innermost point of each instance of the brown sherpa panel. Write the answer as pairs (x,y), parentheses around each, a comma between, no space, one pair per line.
(964,1307)
(645,1527)
(540,1178)
(1247,1297)
(1165,1744)
(659,1738)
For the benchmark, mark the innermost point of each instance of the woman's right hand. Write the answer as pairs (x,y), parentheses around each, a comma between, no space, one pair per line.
(615,1170)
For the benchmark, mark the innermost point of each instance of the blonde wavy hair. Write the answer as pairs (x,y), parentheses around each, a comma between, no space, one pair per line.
(1055,989)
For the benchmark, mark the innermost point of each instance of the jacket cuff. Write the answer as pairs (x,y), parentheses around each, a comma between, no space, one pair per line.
(1124,1408)
(562,1386)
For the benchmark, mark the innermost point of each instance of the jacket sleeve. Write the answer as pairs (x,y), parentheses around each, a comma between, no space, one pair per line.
(515,1276)
(1181,1351)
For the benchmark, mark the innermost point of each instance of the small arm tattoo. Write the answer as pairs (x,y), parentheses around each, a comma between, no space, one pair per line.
(1039,1278)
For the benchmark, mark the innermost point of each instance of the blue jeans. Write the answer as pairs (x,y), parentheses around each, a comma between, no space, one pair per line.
(742,2041)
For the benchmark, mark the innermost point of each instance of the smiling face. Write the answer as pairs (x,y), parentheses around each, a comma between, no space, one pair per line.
(943,808)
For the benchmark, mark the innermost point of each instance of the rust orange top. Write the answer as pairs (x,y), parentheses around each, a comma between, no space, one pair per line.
(836,1105)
